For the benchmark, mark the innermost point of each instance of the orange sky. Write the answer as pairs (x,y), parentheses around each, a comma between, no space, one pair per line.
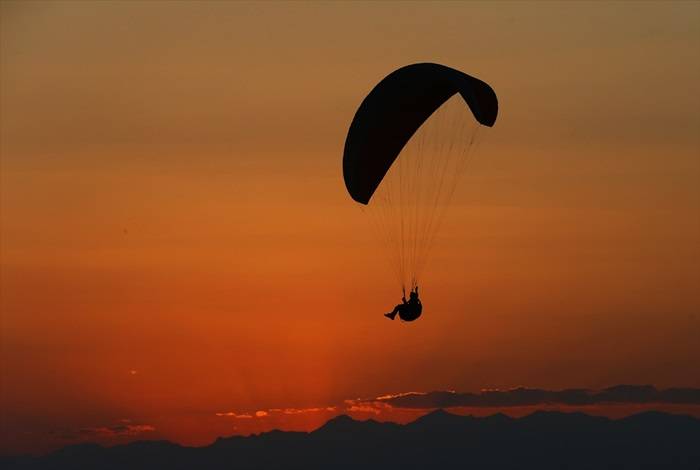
(176,240)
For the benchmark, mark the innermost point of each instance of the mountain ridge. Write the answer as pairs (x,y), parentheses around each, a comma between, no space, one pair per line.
(542,440)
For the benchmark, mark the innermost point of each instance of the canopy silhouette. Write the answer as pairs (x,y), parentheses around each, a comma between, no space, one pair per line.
(395,109)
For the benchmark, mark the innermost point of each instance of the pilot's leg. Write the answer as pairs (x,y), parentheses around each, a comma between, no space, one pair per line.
(393,313)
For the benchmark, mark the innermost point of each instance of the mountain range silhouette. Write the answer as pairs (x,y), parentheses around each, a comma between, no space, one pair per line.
(542,440)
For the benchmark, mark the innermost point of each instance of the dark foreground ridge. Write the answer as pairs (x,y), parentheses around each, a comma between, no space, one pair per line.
(542,440)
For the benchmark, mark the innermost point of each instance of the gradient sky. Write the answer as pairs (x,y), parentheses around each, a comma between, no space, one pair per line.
(176,239)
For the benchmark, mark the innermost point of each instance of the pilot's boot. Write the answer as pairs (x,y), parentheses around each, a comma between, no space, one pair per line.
(390,315)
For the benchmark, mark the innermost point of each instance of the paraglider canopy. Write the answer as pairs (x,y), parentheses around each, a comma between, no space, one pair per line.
(395,109)
(409,142)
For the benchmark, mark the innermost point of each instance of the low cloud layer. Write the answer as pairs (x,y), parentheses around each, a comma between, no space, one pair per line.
(408,405)
(619,394)
(125,428)
(233,414)
(276,412)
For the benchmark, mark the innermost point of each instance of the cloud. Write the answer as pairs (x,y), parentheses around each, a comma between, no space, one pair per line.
(375,406)
(410,402)
(364,408)
(399,395)
(297,411)
(278,411)
(521,396)
(125,428)
(232,414)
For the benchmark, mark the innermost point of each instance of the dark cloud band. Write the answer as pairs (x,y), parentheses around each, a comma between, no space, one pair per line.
(619,394)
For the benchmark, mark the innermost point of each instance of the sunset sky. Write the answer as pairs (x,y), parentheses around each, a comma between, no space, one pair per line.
(178,250)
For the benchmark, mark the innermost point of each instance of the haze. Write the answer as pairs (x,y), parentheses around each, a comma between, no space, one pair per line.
(176,239)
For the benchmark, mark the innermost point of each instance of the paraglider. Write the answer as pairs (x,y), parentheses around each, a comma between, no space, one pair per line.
(405,149)
(408,310)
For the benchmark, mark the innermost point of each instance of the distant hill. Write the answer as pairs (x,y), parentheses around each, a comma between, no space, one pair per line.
(542,440)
